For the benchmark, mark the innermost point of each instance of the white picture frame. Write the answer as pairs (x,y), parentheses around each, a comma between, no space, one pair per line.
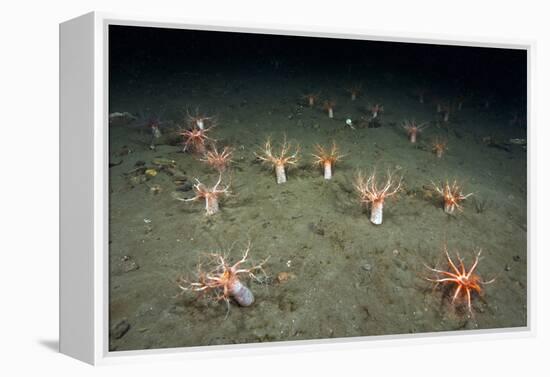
(84,192)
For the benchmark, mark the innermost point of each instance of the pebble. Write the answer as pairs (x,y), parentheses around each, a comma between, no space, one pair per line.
(155,189)
(366,267)
(516,258)
(120,328)
(283,277)
(507,268)
(151,173)
(316,229)
(128,264)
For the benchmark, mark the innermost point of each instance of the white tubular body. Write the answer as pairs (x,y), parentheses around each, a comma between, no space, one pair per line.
(280,172)
(212,205)
(376,212)
(241,294)
(328,170)
(330,113)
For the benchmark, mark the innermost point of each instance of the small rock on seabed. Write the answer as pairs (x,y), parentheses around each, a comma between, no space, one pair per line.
(119,329)
(366,266)
(127,264)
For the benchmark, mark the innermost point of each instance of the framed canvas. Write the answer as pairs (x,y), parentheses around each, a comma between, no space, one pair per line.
(235,188)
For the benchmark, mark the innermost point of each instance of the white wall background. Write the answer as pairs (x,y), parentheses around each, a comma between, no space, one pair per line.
(29,182)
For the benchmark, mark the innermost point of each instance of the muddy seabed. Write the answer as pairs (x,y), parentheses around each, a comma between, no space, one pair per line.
(346,276)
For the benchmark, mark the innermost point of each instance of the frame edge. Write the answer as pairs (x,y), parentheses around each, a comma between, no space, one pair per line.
(76,188)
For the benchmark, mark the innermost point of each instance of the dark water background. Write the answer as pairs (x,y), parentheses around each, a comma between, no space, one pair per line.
(346,276)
